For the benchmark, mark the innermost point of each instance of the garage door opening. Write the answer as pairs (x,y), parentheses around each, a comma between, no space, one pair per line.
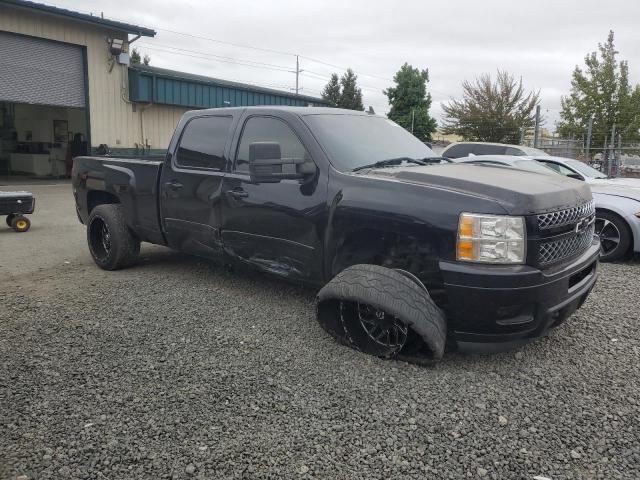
(40,141)
(43,101)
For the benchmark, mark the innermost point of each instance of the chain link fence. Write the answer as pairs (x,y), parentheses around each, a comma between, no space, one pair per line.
(617,160)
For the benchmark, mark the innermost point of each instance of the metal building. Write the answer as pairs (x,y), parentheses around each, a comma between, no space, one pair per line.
(67,89)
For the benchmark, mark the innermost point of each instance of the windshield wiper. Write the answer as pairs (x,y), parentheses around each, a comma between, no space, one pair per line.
(389,163)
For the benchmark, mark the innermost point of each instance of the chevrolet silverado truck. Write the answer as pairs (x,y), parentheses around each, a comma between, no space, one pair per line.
(411,253)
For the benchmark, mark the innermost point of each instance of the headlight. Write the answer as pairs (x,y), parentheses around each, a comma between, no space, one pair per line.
(491,238)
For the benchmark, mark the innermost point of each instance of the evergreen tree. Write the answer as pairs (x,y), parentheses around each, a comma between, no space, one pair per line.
(410,101)
(601,91)
(351,96)
(331,91)
(136,59)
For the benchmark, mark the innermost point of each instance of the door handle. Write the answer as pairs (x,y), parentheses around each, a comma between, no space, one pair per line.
(237,193)
(173,185)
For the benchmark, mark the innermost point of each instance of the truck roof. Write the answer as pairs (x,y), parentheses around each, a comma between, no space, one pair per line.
(282,108)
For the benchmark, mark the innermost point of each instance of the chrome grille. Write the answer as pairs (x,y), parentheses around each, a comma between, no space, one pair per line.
(557,250)
(564,217)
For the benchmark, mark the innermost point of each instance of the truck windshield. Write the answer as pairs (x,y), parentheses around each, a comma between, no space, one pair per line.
(353,141)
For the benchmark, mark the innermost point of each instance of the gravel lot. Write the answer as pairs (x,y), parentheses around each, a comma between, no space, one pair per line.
(178,369)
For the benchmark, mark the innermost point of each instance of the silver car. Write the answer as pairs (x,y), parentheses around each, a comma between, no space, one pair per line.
(617,202)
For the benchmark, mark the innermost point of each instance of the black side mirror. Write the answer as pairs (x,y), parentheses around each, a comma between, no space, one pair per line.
(267,165)
(577,176)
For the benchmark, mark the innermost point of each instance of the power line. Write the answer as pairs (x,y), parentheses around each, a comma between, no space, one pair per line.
(280,67)
(216,58)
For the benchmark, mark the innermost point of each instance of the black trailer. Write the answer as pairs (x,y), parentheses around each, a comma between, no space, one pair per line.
(15,205)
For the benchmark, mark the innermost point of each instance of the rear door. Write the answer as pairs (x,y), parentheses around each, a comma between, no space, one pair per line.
(191,186)
(274,226)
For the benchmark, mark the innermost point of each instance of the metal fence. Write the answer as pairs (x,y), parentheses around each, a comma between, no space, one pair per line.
(617,160)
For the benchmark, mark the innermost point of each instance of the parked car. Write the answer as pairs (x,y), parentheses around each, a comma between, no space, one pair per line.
(465,149)
(508,161)
(617,205)
(412,252)
(581,171)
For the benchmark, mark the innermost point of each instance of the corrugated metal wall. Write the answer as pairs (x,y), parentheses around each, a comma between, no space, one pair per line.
(113,120)
(156,87)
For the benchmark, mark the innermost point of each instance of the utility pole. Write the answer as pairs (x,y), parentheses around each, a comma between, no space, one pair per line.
(612,145)
(297,72)
(536,133)
(521,135)
(413,119)
(589,129)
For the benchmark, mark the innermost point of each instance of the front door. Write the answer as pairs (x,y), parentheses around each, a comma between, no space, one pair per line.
(275,226)
(191,186)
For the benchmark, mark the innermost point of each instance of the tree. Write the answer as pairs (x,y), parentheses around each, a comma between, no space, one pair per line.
(601,91)
(344,93)
(491,111)
(351,96)
(136,59)
(331,91)
(410,101)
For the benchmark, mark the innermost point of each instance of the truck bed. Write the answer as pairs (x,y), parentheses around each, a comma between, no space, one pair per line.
(132,181)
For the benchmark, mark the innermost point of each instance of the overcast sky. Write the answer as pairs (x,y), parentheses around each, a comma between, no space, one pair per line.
(541,41)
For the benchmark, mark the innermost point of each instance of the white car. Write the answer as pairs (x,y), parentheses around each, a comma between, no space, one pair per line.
(581,171)
(466,149)
(617,203)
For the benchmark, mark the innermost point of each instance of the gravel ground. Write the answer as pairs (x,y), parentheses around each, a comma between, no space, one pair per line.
(178,369)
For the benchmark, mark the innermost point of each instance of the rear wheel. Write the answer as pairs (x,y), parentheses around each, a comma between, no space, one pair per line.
(615,236)
(20,224)
(111,242)
(10,218)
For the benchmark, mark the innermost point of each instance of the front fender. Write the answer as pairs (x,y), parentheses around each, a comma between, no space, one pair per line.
(625,208)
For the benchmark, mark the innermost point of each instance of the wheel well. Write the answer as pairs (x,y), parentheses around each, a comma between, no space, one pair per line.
(99,197)
(626,224)
(398,251)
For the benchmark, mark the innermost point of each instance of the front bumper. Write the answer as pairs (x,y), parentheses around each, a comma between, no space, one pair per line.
(509,304)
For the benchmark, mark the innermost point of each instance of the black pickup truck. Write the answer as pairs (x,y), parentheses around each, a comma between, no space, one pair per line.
(411,252)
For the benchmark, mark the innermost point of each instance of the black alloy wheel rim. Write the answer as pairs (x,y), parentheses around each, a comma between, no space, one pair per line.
(382,328)
(100,239)
(609,235)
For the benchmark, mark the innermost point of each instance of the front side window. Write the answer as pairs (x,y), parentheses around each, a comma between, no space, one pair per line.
(268,129)
(561,169)
(202,143)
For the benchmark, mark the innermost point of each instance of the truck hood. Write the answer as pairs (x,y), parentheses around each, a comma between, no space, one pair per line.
(519,192)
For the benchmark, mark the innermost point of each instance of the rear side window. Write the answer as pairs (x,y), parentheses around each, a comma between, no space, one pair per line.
(514,151)
(481,149)
(202,143)
(268,129)
(458,151)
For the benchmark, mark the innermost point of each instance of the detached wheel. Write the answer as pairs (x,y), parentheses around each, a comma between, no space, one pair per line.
(10,218)
(382,312)
(20,224)
(615,236)
(111,243)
